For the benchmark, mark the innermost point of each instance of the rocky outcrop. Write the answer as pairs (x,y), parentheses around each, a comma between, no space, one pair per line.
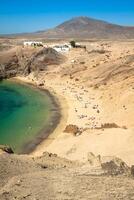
(72,129)
(6,149)
(109,165)
(20,64)
(9,68)
(47,56)
(114,166)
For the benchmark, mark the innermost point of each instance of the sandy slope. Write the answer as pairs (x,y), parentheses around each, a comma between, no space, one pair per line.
(93,88)
(97,88)
(53,178)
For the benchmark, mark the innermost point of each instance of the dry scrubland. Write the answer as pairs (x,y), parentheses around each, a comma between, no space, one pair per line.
(95,89)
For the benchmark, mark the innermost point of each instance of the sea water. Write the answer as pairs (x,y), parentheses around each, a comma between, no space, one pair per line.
(24,112)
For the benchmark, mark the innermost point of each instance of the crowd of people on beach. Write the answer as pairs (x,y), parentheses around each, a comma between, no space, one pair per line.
(84,112)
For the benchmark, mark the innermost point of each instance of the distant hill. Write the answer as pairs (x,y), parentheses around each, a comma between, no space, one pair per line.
(85,28)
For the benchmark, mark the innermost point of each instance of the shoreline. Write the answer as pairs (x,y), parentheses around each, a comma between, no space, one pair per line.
(93,91)
(44,140)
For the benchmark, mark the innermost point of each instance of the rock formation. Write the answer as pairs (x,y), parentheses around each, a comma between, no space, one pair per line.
(72,129)
(6,149)
(20,64)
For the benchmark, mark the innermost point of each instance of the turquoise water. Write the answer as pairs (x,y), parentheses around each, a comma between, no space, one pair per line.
(24,112)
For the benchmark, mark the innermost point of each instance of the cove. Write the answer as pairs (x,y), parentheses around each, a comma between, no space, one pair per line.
(27,116)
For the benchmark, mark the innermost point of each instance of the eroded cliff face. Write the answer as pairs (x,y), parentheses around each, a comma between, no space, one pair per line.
(21,61)
(9,68)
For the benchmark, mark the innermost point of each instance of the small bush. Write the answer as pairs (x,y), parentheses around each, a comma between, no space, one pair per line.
(73,43)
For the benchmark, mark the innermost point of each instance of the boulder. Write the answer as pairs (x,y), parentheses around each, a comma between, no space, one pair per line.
(6,149)
(72,129)
(40,84)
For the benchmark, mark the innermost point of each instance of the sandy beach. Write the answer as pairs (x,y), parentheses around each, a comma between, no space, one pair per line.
(89,108)
(97,97)
(95,93)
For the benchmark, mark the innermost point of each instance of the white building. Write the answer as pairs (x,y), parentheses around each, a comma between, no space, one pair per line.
(32,43)
(62,48)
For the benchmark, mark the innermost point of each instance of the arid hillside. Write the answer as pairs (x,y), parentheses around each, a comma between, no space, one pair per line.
(98,87)
(91,150)
(22,61)
(50,177)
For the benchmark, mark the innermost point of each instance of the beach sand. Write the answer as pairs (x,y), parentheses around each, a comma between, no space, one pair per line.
(87,106)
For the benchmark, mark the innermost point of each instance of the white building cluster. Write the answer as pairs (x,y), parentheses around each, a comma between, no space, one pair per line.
(62,48)
(33,43)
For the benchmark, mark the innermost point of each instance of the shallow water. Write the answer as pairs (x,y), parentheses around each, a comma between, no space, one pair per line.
(24,112)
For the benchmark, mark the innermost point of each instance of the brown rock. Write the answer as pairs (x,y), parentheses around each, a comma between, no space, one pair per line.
(71,129)
(132,170)
(114,166)
(40,84)
(6,149)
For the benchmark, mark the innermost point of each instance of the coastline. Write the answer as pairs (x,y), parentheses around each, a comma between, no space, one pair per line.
(77,107)
(58,121)
(89,107)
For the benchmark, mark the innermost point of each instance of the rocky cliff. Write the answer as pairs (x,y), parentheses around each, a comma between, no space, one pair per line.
(21,61)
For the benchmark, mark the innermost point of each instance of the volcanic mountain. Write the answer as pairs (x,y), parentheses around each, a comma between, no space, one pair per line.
(85,27)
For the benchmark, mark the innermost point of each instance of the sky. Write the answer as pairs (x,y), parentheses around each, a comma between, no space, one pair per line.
(20,16)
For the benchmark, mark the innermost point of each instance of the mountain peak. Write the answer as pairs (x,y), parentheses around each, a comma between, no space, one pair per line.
(81,18)
(88,28)
(80,22)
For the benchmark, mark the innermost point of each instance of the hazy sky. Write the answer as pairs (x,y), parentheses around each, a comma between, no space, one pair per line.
(31,15)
